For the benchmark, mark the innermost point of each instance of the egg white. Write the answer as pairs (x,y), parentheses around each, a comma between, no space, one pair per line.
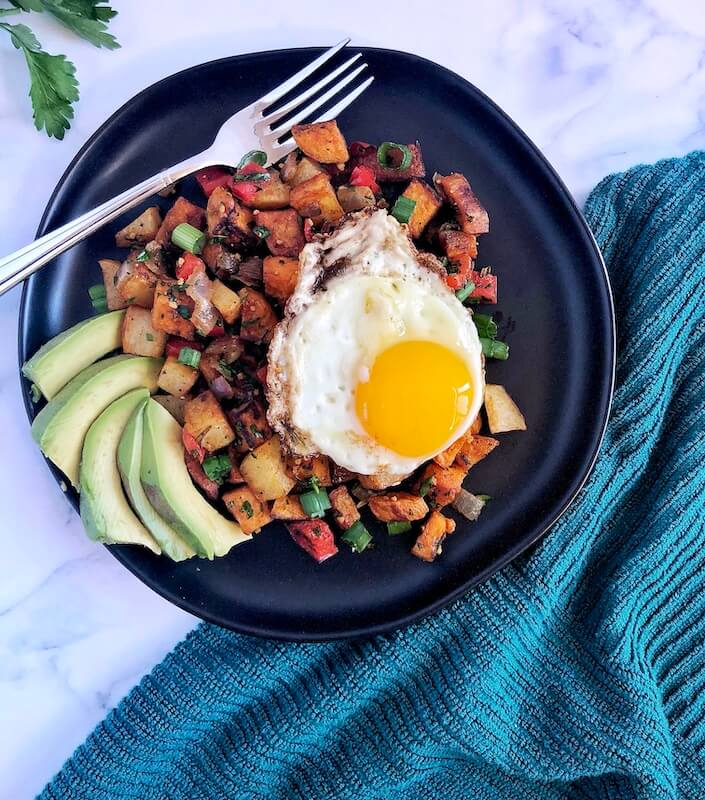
(361,290)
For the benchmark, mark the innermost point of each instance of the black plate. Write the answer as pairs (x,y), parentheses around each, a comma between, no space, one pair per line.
(556,311)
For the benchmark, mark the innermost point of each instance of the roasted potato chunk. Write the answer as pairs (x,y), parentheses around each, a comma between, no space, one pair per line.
(207,423)
(447,457)
(288,507)
(355,198)
(226,217)
(398,507)
(429,542)
(286,231)
(302,171)
(316,198)
(502,412)
(471,216)
(427,204)
(110,268)
(444,484)
(139,337)
(177,379)
(303,468)
(250,512)
(273,194)
(172,309)
(280,276)
(250,426)
(474,448)
(141,230)
(182,211)
(375,483)
(136,283)
(257,317)
(265,471)
(226,301)
(222,351)
(321,141)
(345,511)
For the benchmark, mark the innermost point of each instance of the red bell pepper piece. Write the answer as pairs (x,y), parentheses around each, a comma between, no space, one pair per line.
(217,330)
(308,229)
(192,447)
(485,287)
(364,176)
(315,537)
(245,191)
(186,265)
(211,178)
(175,344)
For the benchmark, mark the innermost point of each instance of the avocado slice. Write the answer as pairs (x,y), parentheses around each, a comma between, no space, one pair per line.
(129,459)
(105,512)
(171,491)
(60,427)
(64,356)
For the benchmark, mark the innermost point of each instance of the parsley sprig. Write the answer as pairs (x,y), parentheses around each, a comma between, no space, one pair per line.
(53,84)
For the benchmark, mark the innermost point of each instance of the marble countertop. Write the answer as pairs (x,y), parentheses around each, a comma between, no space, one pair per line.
(597,86)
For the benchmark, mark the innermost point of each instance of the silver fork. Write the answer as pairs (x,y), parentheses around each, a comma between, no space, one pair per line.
(251,128)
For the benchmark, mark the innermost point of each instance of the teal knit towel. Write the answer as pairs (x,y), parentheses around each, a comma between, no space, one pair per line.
(576,672)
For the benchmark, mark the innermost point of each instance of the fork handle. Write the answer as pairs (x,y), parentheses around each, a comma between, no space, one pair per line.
(24,262)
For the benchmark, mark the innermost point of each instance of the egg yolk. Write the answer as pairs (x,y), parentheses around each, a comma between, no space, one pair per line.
(417,394)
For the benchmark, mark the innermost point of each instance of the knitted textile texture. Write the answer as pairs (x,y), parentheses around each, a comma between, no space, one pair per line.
(576,672)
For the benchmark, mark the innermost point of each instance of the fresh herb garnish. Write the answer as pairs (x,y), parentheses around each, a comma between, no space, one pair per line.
(217,468)
(149,337)
(143,256)
(184,311)
(261,232)
(247,508)
(256,177)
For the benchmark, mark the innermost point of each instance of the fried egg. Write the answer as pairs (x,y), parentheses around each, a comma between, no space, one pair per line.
(376,363)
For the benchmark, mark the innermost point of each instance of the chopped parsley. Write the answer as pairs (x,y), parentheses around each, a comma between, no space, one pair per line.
(143,256)
(246,507)
(149,337)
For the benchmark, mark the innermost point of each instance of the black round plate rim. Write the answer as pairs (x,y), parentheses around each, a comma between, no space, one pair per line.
(509,554)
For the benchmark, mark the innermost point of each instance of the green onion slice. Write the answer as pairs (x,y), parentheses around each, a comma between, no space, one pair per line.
(403,208)
(486,326)
(395,528)
(261,232)
(97,291)
(465,291)
(217,468)
(143,256)
(426,486)
(357,536)
(188,238)
(258,156)
(190,357)
(386,156)
(315,502)
(491,348)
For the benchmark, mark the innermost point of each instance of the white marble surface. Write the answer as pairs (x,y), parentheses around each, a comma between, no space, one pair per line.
(598,86)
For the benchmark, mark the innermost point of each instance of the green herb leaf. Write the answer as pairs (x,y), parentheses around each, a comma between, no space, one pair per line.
(86,18)
(247,508)
(143,256)
(261,232)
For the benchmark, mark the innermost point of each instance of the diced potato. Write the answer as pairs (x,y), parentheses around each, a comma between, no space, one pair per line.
(174,405)
(398,507)
(345,511)
(286,231)
(226,217)
(445,484)
(265,472)
(207,423)
(447,457)
(251,514)
(471,216)
(225,349)
(169,301)
(177,379)
(273,194)
(316,198)
(303,468)
(288,507)
(226,301)
(304,170)
(141,230)
(139,337)
(182,211)
(459,247)
(258,317)
(429,542)
(376,483)
(136,283)
(474,448)
(280,276)
(322,141)
(110,268)
(355,198)
(427,204)
(250,426)
(502,412)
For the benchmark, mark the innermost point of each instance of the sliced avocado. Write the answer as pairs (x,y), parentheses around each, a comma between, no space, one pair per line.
(129,456)
(60,427)
(172,493)
(64,356)
(105,512)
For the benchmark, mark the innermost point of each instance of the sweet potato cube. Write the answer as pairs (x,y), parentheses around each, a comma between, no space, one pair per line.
(428,544)
(286,231)
(226,301)
(251,514)
(321,141)
(288,507)
(447,456)
(345,511)
(273,194)
(207,423)
(171,309)
(226,217)
(398,507)
(444,485)
(110,268)
(472,217)
(280,275)
(139,337)
(474,448)
(141,230)
(316,198)
(376,483)
(427,204)
(476,426)
(177,379)
(183,210)
(303,468)
(257,317)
